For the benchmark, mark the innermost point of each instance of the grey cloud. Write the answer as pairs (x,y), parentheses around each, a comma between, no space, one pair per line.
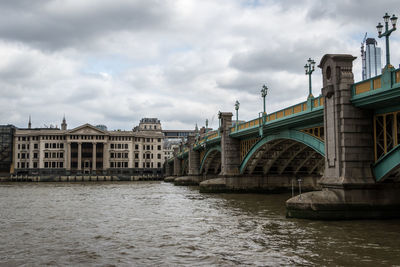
(49,25)
(350,11)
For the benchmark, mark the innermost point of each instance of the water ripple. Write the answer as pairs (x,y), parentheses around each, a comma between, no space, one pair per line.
(158,224)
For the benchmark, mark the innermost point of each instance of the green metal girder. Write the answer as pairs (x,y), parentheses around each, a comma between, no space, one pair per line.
(379,98)
(218,148)
(301,119)
(385,165)
(298,136)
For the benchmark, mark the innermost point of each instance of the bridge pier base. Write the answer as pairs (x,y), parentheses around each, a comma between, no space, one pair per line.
(380,202)
(259,184)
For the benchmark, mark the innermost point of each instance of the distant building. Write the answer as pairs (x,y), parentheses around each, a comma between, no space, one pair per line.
(6,148)
(88,150)
(173,138)
(371,62)
(177,133)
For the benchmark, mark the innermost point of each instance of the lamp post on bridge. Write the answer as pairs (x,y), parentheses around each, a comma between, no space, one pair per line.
(264,92)
(206,125)
(387,33)
(237,104)
(309,67)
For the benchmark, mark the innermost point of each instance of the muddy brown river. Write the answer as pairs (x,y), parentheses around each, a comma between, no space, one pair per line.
(159,224)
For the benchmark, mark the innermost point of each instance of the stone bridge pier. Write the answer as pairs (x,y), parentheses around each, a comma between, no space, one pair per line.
(193,177)
(177,163)
(349,188)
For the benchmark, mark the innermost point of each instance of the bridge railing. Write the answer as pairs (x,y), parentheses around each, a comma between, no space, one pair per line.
(210,136)
(376,83)
(305,106)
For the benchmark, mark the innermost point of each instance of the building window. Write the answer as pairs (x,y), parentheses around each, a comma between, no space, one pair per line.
(126,155)
(136,146)
(158,164)
(35,155)
(136,155)
(61,164)
(23,165)
(159,147)
(112,155)
(136,164)
(159,156)
(35,165)
(61,155)
(159,139)
(54,145)
(112,146)
(126,146)
(61,145)
(46,164)
(35,146)
(22,155)
(23,146)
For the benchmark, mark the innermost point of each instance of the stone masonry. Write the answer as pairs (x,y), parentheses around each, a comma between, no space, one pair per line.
(230,147)
(177,163)
(194,157)
(349,139)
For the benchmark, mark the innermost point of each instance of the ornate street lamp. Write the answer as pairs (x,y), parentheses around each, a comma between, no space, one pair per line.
(309,68)
(237,104)
(387,33)
(206,125)
(264,92)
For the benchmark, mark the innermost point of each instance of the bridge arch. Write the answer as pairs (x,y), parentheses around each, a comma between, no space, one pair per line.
(388,165)
(211,160)
(289,151)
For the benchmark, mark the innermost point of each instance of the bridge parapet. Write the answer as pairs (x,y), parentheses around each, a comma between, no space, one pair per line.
(313,104)
(377,92)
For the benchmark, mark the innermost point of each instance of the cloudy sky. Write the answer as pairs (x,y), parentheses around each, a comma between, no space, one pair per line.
(114,62)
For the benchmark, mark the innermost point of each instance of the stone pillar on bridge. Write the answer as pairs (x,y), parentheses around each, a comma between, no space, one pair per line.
(348,130)
(230,147)
(168,169)
(194,157)
(349,189)
(177,163)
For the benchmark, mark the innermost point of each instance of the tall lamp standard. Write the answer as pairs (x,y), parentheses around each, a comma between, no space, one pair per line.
(206,125)
(309,68)
(264,92)
(237,104)
(387,33)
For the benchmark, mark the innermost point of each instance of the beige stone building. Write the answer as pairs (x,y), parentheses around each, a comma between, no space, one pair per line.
(89,149)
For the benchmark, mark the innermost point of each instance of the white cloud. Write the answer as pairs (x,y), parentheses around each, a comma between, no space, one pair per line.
(114,62)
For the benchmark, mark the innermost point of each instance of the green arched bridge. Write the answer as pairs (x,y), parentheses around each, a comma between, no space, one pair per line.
(346,139)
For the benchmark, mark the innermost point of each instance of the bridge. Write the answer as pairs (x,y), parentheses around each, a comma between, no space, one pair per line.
(343,143)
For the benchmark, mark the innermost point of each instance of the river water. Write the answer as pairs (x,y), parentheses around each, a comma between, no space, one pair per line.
(159,224)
